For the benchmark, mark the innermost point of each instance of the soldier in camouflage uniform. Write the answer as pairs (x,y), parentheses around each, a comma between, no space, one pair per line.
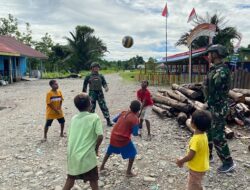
(217,86)
(96,81)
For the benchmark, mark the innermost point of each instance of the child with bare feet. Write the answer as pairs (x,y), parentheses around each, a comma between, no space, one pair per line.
(144,96)
(85,135)
(127,123)
(54,101)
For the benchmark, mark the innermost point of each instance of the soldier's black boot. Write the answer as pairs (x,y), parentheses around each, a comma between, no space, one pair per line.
(109,123)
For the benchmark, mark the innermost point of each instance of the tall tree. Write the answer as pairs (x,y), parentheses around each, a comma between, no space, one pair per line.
(9,26)
(224,35)
(45,44)
(26,37)
(85,47)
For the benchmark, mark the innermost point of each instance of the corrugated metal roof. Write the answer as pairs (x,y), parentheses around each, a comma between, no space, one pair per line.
(4,50)
(183,56)
(11,44)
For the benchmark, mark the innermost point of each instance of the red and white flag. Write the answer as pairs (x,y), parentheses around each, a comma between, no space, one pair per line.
(165,11)
(192,15)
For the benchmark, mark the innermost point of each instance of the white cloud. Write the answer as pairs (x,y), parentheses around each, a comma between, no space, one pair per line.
(113,19)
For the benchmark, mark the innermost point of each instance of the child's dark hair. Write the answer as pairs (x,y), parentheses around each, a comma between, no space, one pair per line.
(146,81)
(51,82)
(82,101)
(135,106)
(202,120)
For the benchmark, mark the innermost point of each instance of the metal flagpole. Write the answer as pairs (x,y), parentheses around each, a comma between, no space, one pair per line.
(167,41)
(166,37)
(190,63)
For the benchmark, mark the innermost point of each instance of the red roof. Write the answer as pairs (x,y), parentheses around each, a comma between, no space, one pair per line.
(187,53)
(5,49)
(9,44)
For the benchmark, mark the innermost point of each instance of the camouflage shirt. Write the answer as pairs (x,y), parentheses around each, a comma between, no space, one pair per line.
(95,80)
(217,86)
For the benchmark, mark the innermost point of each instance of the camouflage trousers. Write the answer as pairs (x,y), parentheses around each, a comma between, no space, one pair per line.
(216,137)
(98,96)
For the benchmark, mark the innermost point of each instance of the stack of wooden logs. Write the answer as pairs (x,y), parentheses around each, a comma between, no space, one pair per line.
(181,101)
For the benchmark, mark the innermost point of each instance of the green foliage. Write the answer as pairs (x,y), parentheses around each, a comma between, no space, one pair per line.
(45,44)
(9,26)
(26,37)
(224,35)
(54,75)
(85,48)
(151,64)
(129,75)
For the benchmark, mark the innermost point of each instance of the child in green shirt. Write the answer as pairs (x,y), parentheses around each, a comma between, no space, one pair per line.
(85,135)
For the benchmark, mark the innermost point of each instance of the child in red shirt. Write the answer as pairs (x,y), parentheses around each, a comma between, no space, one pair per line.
(144,96)
(120,141)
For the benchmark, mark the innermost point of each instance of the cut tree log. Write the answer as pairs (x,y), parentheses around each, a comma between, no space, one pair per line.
(242,108)
(161,112)
(187,108)
(179,93)
(188,92)
(168,108)
(200,106)
(188,124)
(245,92)
(194,86)
(198,87)
(229,133)
(247,100)
(175,96)
(182,118)
(162,90)
(236,96)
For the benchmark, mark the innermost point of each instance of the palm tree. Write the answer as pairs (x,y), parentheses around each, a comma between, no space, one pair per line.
(84,47)
(224,35)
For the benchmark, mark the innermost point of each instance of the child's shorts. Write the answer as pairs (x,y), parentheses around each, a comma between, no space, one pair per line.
(91,175)
(49,121)
(128,151)
(146,112)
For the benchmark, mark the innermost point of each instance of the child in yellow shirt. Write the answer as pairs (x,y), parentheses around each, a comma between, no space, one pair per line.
(54,101)
(197,157)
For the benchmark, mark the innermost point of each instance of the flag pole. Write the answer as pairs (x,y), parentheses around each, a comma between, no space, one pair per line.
(166,38)
(190,63)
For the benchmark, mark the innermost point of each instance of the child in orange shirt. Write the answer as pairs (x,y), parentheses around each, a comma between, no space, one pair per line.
(54,100)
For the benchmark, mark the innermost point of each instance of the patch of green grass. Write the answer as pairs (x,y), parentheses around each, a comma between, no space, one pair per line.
(52,75)
(104,72)
(129,75)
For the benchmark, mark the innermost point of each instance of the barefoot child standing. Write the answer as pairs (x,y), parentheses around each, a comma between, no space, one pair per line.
(54,101)
(127,123)
(85,135)
(197,157)
(144,96)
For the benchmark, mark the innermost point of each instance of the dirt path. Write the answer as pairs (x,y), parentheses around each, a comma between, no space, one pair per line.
(27,164)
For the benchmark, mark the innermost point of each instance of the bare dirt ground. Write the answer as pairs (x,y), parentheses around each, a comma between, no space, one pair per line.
(28,164)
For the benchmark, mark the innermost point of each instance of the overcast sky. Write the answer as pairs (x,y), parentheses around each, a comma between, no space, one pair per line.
(113,19)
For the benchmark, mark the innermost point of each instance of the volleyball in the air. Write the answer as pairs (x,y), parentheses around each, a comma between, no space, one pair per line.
(127,41)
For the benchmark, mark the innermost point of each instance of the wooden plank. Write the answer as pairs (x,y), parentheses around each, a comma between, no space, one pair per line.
(235,79)
(232,80)
(243,79)
(247,81)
